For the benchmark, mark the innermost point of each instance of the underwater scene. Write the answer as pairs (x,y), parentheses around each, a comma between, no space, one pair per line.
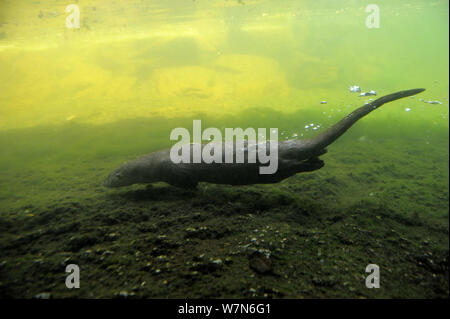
(357,205)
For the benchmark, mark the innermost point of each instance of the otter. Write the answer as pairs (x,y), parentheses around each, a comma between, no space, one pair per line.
(294,156)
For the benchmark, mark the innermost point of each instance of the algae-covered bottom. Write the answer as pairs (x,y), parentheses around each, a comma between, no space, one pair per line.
(376,201)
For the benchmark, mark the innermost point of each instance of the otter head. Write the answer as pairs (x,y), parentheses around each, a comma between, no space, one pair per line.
(127,174)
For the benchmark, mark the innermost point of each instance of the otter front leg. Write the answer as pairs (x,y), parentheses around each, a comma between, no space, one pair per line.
(179,175)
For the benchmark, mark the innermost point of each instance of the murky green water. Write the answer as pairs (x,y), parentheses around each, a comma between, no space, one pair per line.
(77,102)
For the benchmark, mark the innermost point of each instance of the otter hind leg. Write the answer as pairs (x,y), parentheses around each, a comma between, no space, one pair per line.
(311,164)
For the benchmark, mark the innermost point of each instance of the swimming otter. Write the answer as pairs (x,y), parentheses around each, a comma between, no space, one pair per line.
(294,156)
